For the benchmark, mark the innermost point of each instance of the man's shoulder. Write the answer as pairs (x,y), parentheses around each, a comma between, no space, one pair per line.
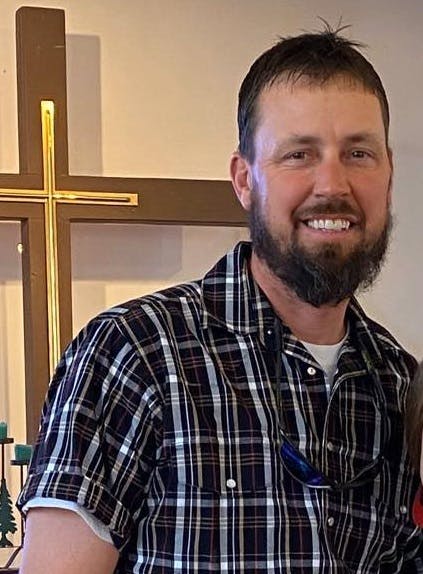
(386,343)
(142,328)
(165,302)
(195,299)
(386,339)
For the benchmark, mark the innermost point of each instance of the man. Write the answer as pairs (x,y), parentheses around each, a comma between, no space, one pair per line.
(250,421)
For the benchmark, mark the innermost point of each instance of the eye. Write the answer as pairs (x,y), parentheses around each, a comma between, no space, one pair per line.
(297,155)
(300,156)
(360,154)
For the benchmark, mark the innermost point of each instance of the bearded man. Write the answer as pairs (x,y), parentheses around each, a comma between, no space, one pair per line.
(250,421)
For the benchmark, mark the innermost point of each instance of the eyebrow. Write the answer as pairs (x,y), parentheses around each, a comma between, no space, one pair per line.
(296,139)
(365,137)
(355,138)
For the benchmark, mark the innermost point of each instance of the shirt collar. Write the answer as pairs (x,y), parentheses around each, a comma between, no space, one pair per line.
(232,298)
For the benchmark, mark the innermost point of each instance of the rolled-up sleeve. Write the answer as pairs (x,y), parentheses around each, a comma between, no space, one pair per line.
(98,436)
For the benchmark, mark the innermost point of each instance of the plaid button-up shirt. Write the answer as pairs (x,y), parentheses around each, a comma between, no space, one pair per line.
(162,421)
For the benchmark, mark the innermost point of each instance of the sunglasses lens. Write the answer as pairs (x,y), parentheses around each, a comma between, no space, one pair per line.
(303,471)
(299,468)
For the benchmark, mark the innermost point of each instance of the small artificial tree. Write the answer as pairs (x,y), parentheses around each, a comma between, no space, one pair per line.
(7,520)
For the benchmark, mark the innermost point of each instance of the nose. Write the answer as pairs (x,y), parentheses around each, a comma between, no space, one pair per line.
(331,178)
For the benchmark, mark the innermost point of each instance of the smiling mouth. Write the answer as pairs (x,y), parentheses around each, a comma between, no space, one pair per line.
(325,224)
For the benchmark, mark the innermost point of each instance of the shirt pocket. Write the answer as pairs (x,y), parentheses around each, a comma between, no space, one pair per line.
(218,489)
(235,467)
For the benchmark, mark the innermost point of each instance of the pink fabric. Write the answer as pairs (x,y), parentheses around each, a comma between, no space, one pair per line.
(418,508)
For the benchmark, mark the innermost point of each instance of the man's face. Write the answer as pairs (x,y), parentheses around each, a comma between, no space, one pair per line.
(318,190)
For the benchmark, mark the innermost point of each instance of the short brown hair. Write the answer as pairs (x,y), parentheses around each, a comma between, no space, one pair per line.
(414,417)
(318,58)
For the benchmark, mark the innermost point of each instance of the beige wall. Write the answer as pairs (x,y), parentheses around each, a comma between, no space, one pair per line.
(152,92)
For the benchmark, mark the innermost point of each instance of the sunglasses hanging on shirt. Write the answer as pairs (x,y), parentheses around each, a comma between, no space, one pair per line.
(297,465)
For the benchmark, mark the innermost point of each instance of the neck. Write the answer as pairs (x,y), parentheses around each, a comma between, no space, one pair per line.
(323,325)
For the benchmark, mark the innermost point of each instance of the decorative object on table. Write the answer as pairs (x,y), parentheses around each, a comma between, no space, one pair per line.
(3,430)
(7,520)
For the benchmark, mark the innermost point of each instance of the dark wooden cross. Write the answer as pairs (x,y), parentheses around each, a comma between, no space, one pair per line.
(44,194)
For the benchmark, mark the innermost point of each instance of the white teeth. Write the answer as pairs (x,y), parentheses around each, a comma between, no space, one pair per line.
(329,224)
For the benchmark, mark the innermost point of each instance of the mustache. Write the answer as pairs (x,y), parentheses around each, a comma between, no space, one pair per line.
(336,206)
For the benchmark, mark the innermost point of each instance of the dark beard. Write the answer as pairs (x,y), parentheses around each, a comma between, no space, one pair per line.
(322,277)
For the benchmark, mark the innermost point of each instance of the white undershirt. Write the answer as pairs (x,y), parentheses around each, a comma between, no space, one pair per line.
(325,355)
(100,529)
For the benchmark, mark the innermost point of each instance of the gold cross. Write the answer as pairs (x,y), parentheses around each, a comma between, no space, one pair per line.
(51,197)
(41,73)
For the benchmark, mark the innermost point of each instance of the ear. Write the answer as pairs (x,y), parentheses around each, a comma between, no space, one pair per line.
(241,179)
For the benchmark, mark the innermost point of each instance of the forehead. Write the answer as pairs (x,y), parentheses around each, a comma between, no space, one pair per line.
(343,103)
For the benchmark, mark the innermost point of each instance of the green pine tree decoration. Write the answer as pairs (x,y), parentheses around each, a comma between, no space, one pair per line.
(7,520)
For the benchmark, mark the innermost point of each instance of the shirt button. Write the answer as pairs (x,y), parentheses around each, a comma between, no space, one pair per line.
(403,510)
(330,446)
(230,483)
(331,521)
(311,371)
